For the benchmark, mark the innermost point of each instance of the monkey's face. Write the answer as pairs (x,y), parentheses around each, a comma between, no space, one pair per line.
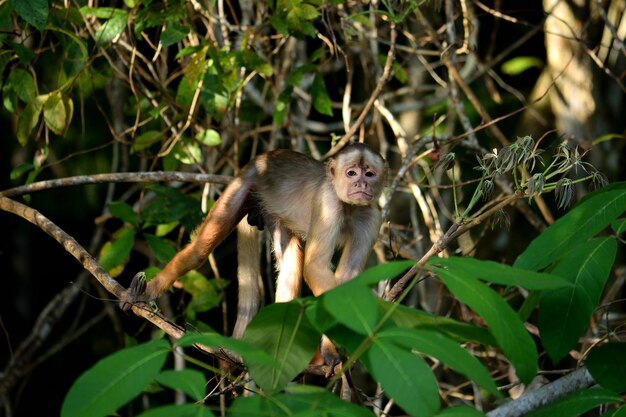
(357,176)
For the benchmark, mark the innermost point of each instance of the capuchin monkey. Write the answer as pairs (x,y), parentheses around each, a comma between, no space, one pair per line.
(310,208)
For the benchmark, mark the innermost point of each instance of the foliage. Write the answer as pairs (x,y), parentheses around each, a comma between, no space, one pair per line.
(281,338)
(92,87)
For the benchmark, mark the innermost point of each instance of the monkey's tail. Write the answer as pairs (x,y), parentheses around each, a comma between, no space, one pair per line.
(248,275)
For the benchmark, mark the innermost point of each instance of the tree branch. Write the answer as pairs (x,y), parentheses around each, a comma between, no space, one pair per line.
(156,176)
(549,393)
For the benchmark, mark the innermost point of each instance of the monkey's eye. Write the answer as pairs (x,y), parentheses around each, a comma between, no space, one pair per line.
(351,173)
(370,174)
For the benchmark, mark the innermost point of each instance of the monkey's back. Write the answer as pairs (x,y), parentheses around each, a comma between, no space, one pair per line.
(288,185)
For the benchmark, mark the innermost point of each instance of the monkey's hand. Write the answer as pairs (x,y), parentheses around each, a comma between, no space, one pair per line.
(135,293)
(330,355)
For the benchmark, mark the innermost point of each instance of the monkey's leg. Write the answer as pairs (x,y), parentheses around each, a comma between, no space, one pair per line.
(289,259)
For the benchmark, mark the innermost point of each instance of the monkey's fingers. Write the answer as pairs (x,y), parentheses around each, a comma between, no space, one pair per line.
(134,292)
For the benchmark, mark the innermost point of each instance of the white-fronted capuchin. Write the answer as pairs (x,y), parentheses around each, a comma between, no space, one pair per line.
(310,208)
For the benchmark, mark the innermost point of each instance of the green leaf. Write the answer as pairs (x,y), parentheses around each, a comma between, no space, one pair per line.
(115,380)
(518,65)
(173,205)
(595,212)
(123,211)
(209,137)
(299,401)
(35,12)
(319,94)
(417,319)
(438,346)
(160,248)
(619,226)
(282,106)
(173,34)
(179,410)
(103,12)
(577,403)
(21,169)
(404,376)
(146,139)
(607,366)
(205,294)
(21,82)
(503,322)
(460,411)
(564,313)
(250,353)
(353,304)
(114,255)
(54,113)
(503,274)
(28,120)
(189,381)
(284,332)
(112,27)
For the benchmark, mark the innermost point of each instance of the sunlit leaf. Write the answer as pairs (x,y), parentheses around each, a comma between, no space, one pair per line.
(116,253)
(592,214)
(503,274)
(54,113)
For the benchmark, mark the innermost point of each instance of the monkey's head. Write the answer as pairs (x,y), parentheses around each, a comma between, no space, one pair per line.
(358,174)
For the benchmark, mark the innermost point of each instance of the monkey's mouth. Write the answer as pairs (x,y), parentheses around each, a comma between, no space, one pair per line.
(361,195)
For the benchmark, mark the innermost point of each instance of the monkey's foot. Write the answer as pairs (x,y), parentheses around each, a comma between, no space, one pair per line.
(135,292)
(330,355)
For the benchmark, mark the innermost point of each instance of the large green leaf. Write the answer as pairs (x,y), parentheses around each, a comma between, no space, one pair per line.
(460,411)
(607,365)
(590,216)
(179,410)
(503,274)
(503,322)
(417,319)
(404,376)
(577,403)
(564,313)
(285,333)
(438,346)
(353,304)
(189,381)
(115,380)
(34,12)
(300,401)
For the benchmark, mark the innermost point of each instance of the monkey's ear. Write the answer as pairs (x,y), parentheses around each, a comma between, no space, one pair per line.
(331,165)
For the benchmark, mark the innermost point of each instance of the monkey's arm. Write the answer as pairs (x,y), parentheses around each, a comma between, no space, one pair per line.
(364,227)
